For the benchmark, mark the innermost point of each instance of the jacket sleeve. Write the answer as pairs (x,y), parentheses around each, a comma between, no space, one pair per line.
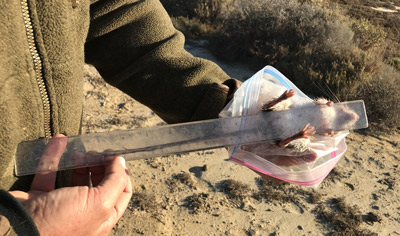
(14,218)
(135,47)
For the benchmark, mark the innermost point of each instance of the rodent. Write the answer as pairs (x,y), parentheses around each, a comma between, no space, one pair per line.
(338,117)
(294,150)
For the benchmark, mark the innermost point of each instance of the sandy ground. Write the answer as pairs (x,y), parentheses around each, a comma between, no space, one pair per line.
(201,193)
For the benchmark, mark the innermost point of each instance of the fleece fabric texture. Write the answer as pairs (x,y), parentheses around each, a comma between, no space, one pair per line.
(132,43)
(18,221)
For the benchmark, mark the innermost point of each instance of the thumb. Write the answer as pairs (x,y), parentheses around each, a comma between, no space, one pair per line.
(116,183)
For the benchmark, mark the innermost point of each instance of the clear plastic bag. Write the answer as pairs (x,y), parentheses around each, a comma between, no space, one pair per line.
(307,167)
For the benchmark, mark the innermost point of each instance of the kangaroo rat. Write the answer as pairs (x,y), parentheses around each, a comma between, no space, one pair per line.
(295,149)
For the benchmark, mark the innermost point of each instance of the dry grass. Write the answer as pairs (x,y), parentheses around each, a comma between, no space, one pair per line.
(179,181)
(143,202)
(198,203)
(343,219)
(335,214)
(234,189)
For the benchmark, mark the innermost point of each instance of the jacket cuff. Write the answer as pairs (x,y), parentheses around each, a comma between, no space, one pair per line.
(215,99)
(15,218)
(5,227)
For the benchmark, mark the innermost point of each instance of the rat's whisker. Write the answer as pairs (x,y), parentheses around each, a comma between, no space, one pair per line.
(332,94)
(321,88)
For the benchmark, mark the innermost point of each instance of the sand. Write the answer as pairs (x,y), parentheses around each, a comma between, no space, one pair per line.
(202,193)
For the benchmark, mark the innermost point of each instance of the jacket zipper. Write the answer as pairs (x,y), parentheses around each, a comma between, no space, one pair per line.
(37,63)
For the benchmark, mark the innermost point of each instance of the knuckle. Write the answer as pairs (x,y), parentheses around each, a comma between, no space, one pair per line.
(106,206)
(122,180)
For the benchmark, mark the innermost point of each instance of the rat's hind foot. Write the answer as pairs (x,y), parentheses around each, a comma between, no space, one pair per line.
(324,102)
(328,132)
(303,133)
(285,95)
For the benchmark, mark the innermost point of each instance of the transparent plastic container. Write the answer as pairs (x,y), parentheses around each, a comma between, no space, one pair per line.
(319,156)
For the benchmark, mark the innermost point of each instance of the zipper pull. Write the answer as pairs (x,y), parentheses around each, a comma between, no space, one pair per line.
(75,3)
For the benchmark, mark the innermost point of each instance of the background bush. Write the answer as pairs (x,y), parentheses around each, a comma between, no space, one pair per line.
(339,49)
(313,46)
(204,10)
(192,27)
(381,96)
(388,21)
(177,8)
(196,18)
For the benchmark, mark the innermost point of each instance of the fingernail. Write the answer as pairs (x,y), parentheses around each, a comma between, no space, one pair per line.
(122,160)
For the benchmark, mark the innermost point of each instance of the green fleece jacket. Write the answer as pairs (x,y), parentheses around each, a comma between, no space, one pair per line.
(44,45)
(14,219)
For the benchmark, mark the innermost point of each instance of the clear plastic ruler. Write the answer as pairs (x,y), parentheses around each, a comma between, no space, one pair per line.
(99,148)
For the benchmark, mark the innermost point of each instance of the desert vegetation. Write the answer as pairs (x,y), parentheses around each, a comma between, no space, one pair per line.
(340,49)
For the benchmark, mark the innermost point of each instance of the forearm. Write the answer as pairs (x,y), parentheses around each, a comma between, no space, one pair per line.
(136,48)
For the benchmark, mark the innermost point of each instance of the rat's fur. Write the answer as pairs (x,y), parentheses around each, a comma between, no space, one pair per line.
(297,146)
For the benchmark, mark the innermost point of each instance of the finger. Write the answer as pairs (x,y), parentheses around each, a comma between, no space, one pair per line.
(113,184)
(80,177)
(48,166)
(94,158)
(21,196)
(123,201)
(79,159)
(97,174)
(90,158)
(98,167)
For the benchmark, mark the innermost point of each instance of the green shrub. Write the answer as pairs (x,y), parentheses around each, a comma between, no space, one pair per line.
(382,99)
(313,46)
(312,42)
(395,62)
(389,22)
(367,35)
(209,10)
(195,18)
(204,10)
(177,8)
(192,28)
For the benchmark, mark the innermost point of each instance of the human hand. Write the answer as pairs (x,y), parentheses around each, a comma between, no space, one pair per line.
(78,210)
